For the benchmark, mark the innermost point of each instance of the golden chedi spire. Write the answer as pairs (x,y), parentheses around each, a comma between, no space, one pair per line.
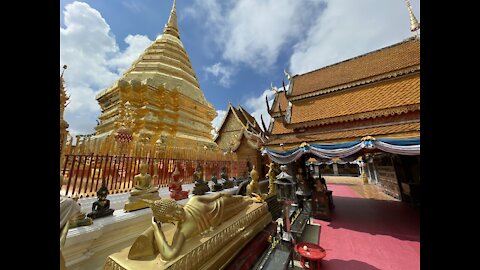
(163,90)
(414,24)
(172,26)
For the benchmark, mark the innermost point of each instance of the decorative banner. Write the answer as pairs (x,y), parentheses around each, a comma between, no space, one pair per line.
(407,146)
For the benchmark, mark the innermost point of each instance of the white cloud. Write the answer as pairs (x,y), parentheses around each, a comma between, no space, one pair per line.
(254,32)
(257,106)
(217,121)
(94,60)
(350,28)
(222,71)
(134,6)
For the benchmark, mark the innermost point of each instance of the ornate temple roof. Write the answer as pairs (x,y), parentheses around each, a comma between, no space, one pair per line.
(165,61)
(246,120)
(383,98)
(375,94)
(403,56)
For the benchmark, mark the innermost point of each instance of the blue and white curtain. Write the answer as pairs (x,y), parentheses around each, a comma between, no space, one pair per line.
(410,147)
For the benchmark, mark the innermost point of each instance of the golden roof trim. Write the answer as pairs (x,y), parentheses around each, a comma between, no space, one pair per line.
(373,79)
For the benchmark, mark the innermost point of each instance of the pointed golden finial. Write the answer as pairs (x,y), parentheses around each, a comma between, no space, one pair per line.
(172,26)
(414,24)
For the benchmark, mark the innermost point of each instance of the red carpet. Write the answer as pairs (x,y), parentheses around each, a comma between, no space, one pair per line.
(367,234)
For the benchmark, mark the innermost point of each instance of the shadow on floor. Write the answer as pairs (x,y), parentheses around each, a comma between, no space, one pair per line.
(337,264)
(397,219)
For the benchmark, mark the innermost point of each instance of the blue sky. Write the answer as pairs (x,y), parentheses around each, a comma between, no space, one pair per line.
(237,47)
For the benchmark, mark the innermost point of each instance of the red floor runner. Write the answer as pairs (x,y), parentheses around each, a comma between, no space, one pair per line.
(367,234)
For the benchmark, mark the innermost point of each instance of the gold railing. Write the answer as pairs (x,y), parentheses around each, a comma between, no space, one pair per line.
(86,162)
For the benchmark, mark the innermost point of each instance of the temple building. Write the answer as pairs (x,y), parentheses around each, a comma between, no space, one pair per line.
(240,133)
(367,106)
(163,95)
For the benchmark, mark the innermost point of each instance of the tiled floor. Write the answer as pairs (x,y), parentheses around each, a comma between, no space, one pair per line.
(369,230)
(368,191)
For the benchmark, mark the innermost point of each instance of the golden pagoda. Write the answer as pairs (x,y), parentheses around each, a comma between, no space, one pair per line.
(163,91)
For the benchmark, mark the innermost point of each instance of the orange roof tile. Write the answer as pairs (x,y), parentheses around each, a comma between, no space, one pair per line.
(283,102)
(396,57)
(360,102)
(278,127)
(399,130)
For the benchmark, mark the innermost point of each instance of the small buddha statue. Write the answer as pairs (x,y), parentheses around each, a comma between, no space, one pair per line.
(175,186)
(143,182)
(227,183)
(253,186)
(101,207)
(201,187)
(143,189)
(216,186)
(198,215)
(272,173)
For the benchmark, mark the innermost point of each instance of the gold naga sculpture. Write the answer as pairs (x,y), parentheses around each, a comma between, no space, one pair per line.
(205,233)
(143,189)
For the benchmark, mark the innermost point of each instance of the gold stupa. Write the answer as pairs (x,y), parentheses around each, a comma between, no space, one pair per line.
(162,89)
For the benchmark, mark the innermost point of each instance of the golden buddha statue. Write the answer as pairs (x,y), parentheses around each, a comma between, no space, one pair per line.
(143,182)
(272,173)
(253,186)
(200,214)
(143,189)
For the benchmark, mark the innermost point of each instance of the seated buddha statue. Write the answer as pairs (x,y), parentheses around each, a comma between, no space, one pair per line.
(143,189)
(216,186)
(200,214)
(143,182)
(175,186)
(253,186)
(227,183)
(101,207)
(201,187)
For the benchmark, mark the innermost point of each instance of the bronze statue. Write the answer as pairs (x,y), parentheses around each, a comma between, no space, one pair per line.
(227,183)
(216,186)
(200,214)
(224,174)
(101,207)
(201,187)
